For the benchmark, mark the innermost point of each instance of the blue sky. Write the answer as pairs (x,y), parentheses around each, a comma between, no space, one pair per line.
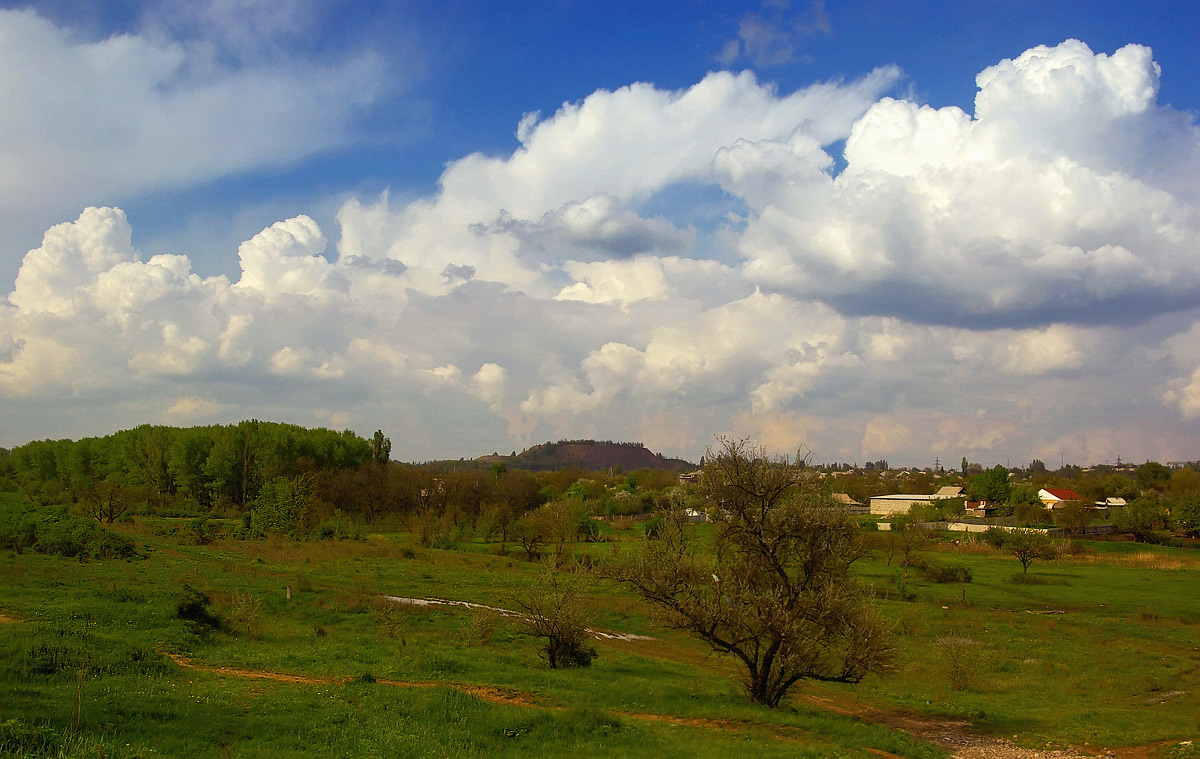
(462,74)
(803,183)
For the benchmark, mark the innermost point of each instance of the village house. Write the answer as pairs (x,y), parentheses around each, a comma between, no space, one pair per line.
(901,503)
(1054,498)
(849,504)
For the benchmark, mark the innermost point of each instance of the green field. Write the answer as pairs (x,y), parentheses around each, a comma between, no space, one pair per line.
(95,661)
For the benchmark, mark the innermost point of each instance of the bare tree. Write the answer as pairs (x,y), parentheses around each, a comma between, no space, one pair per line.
(105,500)
(552,611)
(907,537)
(773,590)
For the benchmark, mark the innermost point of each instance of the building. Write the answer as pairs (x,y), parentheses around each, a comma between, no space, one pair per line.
(849,504)
(901,503)
(1054,497)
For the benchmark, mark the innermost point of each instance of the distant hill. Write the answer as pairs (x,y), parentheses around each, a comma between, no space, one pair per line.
(589,454)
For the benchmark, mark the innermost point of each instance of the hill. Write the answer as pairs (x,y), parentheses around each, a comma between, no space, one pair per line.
(589,454)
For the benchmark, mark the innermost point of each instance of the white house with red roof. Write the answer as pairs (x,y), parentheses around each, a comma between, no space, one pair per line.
(1055,497)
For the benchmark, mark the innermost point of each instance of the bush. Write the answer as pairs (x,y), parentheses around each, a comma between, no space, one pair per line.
(202,531)
(994,537)
(245,614)
(1022,578)
(193,609)
(652,526)
(960,656)
(553,613)
(57,533)
(281,507)
(945,573)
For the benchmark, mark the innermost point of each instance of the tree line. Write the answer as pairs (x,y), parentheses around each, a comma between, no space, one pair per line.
(207,467)
(286,479)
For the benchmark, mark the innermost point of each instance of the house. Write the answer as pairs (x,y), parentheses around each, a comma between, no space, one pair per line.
(981,509)
(1055,497)
(695,515)
(1109,503)
(899,503)
(849,504)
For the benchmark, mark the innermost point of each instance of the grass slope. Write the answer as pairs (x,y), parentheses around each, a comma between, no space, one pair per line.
(84,670)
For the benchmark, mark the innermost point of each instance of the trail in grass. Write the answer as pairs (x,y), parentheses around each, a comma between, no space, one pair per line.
(482,692)
(957,737)
(512,697)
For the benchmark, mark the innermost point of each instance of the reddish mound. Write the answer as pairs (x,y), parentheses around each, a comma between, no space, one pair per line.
(589,454)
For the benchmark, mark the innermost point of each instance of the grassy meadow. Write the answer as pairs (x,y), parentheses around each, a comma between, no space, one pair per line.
(1102,648)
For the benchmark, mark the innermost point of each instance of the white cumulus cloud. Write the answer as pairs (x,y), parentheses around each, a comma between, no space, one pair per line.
(965,284)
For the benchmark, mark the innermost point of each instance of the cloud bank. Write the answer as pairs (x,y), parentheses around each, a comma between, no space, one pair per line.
(1009,283)
(191,93)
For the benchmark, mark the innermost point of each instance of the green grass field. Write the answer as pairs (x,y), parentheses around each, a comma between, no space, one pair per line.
(86,667)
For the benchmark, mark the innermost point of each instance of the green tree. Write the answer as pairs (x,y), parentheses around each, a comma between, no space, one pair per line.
(1143,517)
(1073,516)
(1028,546)
(1153,476)
(774,591)
(1185,514)
(1023,495)
(105,500)
(991,486)
(281,507)
(381,449)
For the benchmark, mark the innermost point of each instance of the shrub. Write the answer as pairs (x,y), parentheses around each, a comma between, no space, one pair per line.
(389,614)
(553,613)
(652,526)
(244,614)
(193,608)
(945,573)
(994,537)
(202,531)
(484,625)
(57,533)
(1023,578)
(960,656)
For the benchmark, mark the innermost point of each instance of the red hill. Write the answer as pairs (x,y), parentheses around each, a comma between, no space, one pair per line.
(592,454)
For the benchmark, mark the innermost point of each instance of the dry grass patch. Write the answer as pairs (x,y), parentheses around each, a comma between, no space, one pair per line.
(1139,560)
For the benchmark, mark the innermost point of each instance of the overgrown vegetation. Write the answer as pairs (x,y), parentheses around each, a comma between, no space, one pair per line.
(273,586)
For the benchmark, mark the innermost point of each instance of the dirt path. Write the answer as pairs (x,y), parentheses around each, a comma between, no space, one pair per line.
(960,739)
(956,737)
(503,696)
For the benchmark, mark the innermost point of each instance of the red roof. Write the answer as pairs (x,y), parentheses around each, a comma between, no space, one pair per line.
(1063,494)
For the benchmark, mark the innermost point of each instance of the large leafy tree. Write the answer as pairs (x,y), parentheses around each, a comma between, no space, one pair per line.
(773,590)
(991,485)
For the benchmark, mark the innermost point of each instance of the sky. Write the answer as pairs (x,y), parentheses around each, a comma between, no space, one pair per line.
(903,231)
